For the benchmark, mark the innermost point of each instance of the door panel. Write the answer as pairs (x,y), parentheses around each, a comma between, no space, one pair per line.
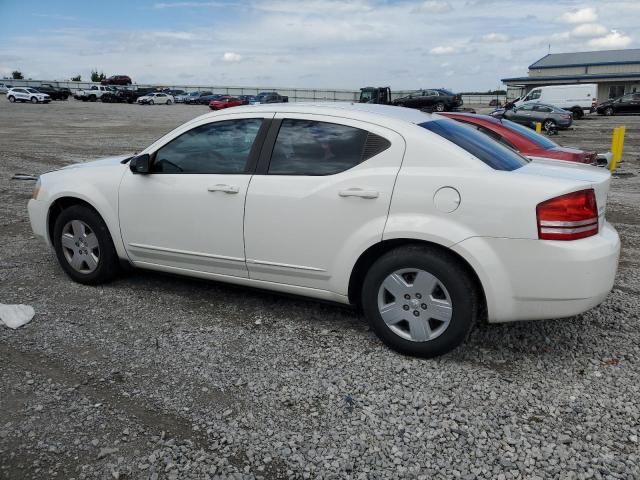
(177,217)
(302,230)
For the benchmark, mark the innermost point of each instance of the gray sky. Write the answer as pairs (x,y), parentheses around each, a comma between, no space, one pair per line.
(459,44)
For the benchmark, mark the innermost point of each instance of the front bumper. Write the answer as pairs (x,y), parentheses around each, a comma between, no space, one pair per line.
(538,279)
(38,214)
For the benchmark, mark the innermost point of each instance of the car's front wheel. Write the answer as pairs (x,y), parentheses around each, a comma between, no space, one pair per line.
(608,111)
(549,124)
(439,107)
(168,102)
(151,102)
(419,300)
(84,246)
(12,99)
(34,100)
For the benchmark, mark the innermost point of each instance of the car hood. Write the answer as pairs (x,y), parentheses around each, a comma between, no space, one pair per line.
(101,162)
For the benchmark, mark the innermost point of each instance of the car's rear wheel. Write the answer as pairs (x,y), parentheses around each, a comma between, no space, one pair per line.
(609,111)
(439,107)
(12,99)
(549,124)
(168,102)
(34,100)
(92,98)
(419,300)
(84,246)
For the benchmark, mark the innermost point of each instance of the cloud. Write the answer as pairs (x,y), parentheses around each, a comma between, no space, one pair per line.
(434,6)
(231,57)
(612,40)
(495,38)
(173,35)
(443,50)
(588,30)
(582,15)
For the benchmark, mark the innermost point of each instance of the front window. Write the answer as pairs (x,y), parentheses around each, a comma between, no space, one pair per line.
(492,153)
(534,95)
(219,147)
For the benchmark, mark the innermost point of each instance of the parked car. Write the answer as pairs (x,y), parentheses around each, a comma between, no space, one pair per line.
(94,93)
(206,99)
(155,98)
(124,95)
(27,94)
(224,102)
(194,97)
(4,87)
(181,97)
(246,99)
(269,97)
(629,103)
(579,99)
(427,224)
(56,93)
(174,92)
(531,113)
(117,80)
(438,100)
(526,141)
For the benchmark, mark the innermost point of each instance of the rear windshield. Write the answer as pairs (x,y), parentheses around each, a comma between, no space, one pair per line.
(477,144)
(536,138)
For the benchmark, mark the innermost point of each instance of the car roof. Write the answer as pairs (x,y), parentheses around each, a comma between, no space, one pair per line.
(472,116)
(356,111)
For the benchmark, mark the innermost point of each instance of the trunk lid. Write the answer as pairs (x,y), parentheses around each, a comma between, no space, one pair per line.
(592,177)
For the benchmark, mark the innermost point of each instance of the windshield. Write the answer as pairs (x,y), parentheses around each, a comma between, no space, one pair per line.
(478,144)
(536,138)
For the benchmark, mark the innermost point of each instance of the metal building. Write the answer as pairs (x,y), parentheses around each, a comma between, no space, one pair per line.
(616,72)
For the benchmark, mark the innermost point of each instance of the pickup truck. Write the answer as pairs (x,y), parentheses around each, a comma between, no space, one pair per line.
(270,97)
(93,93)
(56,93)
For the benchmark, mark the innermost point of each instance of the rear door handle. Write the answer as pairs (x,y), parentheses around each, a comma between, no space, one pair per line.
(221,187)
(359,192)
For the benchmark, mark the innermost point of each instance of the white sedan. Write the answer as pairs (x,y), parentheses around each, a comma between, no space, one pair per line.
(428,224)
(26,94)
(155,98)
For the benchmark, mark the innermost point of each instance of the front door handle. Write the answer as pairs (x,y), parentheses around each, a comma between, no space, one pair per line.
(221,187)
(359,192)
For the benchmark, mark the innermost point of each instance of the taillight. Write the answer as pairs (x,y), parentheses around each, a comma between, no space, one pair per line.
(568,217)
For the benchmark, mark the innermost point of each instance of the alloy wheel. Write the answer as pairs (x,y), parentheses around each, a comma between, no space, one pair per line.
(415,305)
(80,246)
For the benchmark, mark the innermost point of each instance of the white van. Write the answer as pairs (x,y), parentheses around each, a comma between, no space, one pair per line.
(579,98)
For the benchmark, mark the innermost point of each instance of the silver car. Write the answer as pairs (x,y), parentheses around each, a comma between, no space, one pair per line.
(549,116)
(4,88)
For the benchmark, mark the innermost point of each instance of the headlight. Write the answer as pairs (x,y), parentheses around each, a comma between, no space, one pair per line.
(36,190)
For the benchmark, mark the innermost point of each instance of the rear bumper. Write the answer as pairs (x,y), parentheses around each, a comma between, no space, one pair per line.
(538,279)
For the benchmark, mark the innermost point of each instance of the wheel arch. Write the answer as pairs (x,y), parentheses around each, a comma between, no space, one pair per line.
(371,254)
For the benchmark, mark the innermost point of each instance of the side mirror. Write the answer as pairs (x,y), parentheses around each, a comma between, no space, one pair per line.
(140,164)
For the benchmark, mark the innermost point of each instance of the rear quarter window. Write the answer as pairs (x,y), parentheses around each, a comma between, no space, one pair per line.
(478,144)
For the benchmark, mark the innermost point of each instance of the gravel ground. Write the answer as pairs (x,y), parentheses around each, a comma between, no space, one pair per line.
(155,376)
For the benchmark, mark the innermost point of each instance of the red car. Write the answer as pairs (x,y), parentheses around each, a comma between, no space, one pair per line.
(524,140)
(224,102)
(117,80)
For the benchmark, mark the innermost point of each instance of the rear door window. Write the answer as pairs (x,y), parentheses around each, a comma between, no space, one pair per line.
(309,147)
(478,144)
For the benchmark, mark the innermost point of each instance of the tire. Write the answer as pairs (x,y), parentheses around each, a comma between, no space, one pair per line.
(549,124)
(453,294)
(609,111)
(151,102)
(168,102)
(105,261)
(439,107)
(12,99)
(92,98)
(34,100)
(577,113)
